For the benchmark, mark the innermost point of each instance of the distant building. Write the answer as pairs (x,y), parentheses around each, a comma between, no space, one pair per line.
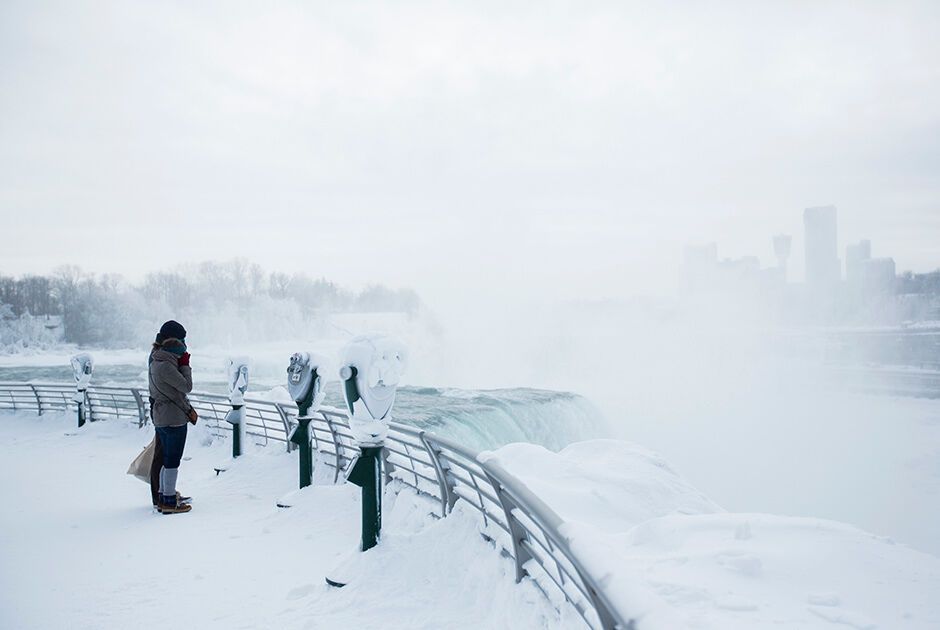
(823,268)
(856,256)
(879,277)
(867,276)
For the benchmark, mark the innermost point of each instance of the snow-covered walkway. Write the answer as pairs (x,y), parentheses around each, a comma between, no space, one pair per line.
(82,548)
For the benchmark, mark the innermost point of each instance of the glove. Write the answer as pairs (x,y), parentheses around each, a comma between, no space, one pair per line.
(184,359)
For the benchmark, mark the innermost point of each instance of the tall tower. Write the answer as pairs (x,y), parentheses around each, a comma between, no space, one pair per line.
(782,243)
(823,268)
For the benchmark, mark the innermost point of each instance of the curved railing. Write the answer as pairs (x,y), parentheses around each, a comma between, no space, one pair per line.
(509,515)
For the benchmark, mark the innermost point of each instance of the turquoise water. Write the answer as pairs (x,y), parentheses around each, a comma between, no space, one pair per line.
(479,419)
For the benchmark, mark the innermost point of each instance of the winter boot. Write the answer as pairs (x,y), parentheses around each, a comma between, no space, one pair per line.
(179,499)
(170,505)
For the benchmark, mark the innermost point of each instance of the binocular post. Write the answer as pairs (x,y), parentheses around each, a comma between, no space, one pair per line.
(303,383)
(371,370)
(80,401)
(301,437)
(238,385)
(237,433)
(367,474)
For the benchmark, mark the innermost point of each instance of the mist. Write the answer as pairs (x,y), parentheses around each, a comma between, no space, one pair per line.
(580,197)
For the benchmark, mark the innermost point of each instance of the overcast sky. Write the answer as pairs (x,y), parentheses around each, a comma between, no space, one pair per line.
(572,147)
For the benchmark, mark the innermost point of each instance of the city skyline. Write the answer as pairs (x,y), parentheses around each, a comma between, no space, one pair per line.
(821,247)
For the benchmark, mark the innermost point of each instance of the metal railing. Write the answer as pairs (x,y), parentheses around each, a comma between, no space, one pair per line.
(511,518)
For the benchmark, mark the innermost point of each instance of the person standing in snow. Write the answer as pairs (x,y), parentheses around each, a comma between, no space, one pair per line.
(171,378)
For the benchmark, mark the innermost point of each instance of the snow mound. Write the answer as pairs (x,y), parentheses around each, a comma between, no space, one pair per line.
(611,484)
(670,558)
(743,571)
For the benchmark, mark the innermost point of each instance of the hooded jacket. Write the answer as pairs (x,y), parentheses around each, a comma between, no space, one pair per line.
(169,384)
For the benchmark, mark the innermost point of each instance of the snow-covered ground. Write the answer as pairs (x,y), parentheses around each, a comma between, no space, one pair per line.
(676,560)
(81,547)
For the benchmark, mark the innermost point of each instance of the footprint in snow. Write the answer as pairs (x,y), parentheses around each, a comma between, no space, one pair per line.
(301,591)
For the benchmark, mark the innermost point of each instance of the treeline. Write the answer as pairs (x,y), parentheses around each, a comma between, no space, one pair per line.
(212,282)
(108,310)
(909,283)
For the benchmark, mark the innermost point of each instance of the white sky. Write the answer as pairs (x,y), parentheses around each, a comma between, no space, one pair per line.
(570,148)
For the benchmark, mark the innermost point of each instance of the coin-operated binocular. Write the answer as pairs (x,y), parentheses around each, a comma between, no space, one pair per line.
(237,372)
(305,384)
(371,371)
(82,367)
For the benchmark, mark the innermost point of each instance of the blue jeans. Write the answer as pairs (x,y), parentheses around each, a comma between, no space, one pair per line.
(172,441)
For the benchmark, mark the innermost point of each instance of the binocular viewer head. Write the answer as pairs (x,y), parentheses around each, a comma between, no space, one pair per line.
(304,380)
(237,373)
(82,367)
(371,369)
(370,372)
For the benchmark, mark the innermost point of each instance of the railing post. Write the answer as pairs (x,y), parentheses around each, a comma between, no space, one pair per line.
(336,448)
(516,532)
(607,619)
(388,466)
(38,399)
(89,406)
(448,498)
(285,419)
(141,409)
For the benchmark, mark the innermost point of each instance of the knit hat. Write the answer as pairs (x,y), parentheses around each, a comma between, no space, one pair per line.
(171,330)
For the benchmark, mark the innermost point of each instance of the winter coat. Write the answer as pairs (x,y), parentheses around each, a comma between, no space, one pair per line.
(169,384)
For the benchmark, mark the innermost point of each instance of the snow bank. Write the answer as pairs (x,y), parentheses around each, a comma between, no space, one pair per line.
(611,484)
(743,571)
(670,557)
